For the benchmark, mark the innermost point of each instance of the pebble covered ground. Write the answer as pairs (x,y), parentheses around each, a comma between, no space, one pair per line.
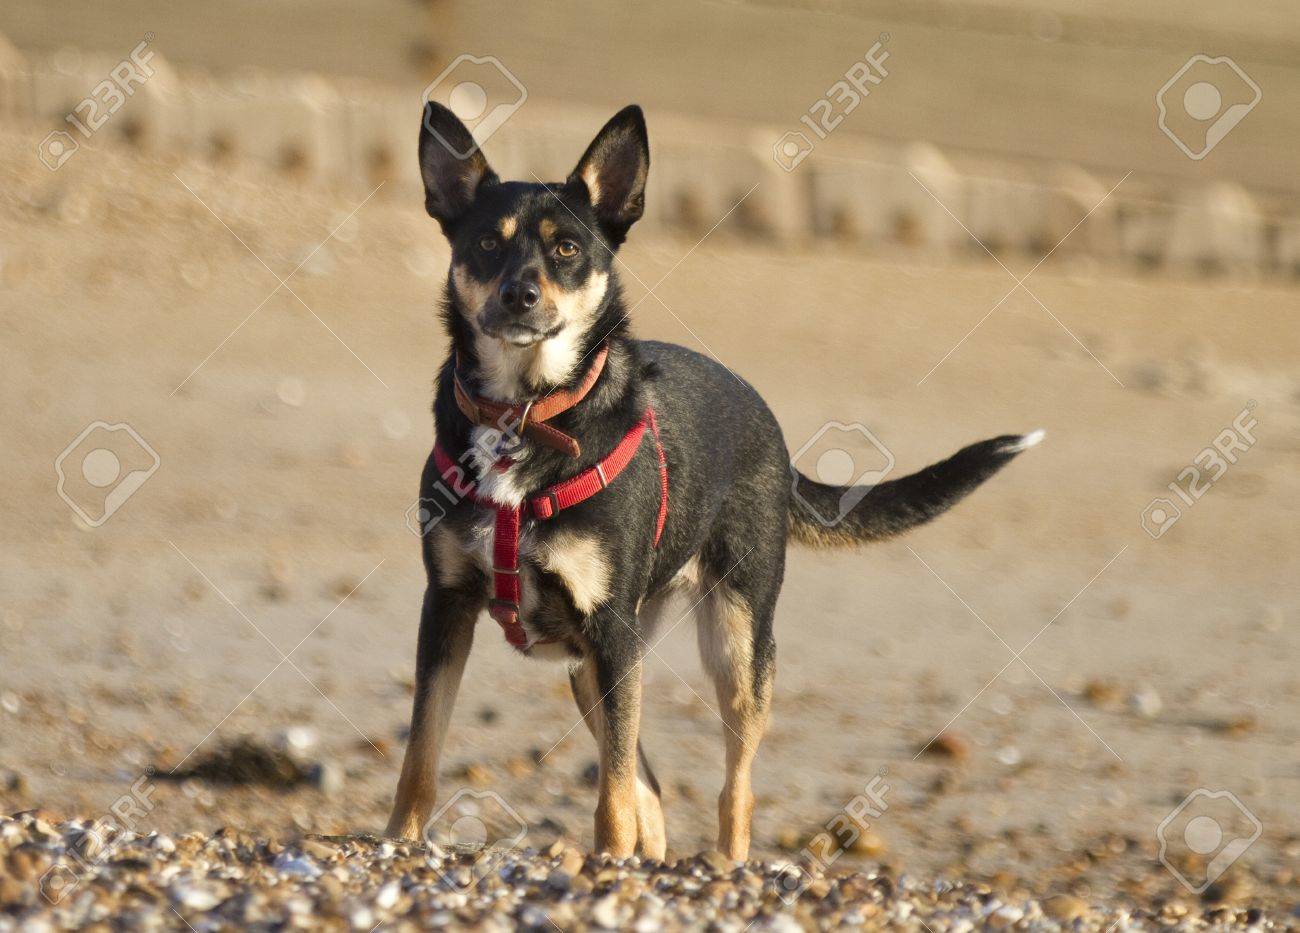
(61,875)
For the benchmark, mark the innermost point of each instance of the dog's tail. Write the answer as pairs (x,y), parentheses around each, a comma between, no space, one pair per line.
(822,515)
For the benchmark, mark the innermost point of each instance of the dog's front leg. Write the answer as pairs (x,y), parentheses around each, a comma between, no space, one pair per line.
(617,661)
(446,633)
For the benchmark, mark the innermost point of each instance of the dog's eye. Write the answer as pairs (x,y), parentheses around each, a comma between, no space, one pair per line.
(487,244)
(566,248)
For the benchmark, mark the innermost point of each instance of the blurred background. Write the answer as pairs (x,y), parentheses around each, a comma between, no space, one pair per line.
(909,225)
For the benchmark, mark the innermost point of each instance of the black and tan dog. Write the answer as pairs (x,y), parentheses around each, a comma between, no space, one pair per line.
(544,401)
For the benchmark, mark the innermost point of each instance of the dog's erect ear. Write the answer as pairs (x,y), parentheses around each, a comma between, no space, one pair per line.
(451,164)
(614,170)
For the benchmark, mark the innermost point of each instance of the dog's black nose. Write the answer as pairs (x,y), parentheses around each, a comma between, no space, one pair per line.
(520,295)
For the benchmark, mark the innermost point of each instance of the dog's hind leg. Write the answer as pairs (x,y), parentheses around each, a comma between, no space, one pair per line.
(736,648)
(446,633)
(652,841)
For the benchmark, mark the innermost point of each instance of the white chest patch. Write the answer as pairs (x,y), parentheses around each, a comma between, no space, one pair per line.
(498,485)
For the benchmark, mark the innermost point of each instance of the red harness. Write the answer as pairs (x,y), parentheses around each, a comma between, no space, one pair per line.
(506,588)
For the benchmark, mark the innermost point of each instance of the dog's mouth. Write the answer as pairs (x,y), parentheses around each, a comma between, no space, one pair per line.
(519,334)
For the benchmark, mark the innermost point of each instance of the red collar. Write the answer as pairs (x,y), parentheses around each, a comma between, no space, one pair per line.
(506,588)
(530,418)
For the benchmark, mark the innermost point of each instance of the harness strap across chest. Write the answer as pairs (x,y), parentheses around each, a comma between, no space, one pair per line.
(507,590)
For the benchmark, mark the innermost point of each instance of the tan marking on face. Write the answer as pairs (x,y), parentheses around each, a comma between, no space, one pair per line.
(508,226)
(575,307)
(474,295)
(579,561)
(510,373)
(547,229)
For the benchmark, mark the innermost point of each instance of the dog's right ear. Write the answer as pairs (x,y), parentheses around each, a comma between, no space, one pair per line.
(451,164)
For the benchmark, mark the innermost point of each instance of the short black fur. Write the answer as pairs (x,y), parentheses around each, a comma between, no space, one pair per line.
(734,500)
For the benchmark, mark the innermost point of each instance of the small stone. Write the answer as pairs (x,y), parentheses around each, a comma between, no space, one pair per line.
(519,767)
(1236,726)
(948,745)
(1064,908)
(1009,755)
(609,913)
(318,850)
(327,777)
(296,740)
(1146,702)
(572,862)
(13,781)
(868,843)
(195,896)
(716,862)
(1103,694)
(386,898)
(297,866)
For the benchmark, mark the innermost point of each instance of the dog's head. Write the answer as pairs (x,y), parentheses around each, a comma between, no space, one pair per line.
(530,262)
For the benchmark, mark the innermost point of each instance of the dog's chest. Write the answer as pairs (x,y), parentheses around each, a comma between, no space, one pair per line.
(560,571)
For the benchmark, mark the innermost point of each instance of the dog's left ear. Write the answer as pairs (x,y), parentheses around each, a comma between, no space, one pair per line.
(452,166)
(614,170)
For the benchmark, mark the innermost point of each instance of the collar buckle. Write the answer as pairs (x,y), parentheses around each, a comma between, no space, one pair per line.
(512,439)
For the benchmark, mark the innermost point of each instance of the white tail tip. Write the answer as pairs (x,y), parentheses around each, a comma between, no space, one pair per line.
(1032,439)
